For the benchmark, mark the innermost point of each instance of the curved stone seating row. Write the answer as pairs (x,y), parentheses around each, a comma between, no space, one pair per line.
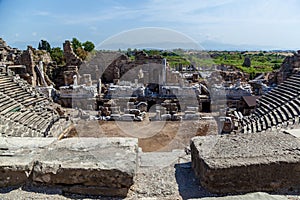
(33,120)
(20,91)
(11,128)
(24,112)
(279,109)
(285,116)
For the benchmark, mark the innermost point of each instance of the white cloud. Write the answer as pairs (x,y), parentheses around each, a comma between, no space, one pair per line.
(228,21)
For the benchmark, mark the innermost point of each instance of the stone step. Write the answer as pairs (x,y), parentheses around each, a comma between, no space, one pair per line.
(5,80)
(10,106)
(291,83)
(21,96)
(22,114)
(28,103)
(292,90)
(284,92)
(4,99)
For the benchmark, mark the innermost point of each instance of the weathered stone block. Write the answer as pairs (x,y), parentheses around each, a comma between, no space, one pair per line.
(16,158)
(93,166)
(247,162)
(99,166)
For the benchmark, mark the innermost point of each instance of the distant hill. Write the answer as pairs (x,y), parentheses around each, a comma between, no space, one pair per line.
(214,45)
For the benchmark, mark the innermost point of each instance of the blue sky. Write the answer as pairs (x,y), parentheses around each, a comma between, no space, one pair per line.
(273,24)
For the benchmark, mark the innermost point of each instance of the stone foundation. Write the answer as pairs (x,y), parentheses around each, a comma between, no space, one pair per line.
(247,163)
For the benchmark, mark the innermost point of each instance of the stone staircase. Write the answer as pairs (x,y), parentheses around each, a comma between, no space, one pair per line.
(26,113)
(278,109)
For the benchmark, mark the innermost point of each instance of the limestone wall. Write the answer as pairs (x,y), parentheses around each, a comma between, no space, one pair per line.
(70,56)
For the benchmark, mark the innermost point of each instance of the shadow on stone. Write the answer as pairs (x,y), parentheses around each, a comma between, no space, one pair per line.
(60,191)
(7,189)
(188,184)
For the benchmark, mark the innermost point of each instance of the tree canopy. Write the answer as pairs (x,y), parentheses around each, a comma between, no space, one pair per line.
(57,55)
(76,44)
(44,45)
(82,49)
(88,46)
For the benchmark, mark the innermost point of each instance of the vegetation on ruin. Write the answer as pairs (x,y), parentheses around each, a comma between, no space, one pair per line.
(260,61)
(57,55)
(257,61)
(82,49)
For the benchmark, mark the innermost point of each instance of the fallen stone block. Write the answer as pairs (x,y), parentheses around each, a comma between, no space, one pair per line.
(247,162)
(98,166)
(16,158)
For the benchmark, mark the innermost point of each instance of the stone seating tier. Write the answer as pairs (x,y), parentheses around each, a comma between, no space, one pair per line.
(24,111)
(278,109)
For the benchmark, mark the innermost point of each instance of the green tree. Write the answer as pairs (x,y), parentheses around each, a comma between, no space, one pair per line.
(44,45)
(57,55)
(76,44)
(88,46)
(276,66)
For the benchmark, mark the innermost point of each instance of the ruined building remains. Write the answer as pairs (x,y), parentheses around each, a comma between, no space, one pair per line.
(30,58)
(290,65)
(70,56)
(8,55)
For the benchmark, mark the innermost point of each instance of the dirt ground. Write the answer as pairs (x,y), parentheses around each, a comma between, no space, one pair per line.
(152,135)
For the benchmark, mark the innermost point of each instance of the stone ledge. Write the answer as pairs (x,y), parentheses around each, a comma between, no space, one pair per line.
(99,166)
(247,162)
(16,158)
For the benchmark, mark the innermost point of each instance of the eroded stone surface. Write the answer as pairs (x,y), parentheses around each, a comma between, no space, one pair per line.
(106,165)
(16,158)
(98,166)
(247,162)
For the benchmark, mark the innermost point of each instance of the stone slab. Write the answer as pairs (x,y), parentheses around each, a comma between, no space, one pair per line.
(17,156)
(102,166)
(97,166)
(294,132)
(247,162)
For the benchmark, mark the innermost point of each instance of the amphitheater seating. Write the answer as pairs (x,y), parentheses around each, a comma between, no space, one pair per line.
(26,113)
(278,109)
